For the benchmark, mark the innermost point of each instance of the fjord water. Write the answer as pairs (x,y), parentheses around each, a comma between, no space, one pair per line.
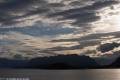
(89,74)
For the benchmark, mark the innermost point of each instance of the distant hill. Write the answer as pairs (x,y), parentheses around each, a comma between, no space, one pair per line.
(57,62)
(10,63)
(63,62)
(115,64)
(53,62)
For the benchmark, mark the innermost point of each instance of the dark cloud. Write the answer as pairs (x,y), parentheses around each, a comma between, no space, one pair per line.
(95,36)
(79,46)
(74,3)
(117,52)
(108,47)
(56,5)
(10,8)
(95,6)
(90,40)
(21,5)
(83,15)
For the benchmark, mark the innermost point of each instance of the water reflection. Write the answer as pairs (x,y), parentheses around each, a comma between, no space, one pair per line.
(64,74)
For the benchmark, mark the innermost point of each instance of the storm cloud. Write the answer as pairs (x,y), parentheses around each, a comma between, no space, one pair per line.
(13,10)
(108,47)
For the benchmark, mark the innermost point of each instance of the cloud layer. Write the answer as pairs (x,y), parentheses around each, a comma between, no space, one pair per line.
(18,11)
(48,27)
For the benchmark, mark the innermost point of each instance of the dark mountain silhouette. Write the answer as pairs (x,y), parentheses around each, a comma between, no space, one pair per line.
(10,63)
(115,64)
(53,62)
(57,62)
(63,62)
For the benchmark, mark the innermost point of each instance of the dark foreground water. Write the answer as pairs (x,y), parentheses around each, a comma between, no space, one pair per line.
(95,74)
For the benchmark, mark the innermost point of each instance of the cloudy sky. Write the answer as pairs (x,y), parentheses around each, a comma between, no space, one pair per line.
(33,28)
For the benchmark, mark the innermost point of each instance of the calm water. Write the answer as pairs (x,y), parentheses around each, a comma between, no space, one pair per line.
(101,74)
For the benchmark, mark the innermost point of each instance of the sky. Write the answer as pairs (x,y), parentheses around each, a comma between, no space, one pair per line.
(32,28)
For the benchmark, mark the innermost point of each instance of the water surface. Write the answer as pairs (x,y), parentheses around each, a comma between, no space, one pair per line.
(90,74)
